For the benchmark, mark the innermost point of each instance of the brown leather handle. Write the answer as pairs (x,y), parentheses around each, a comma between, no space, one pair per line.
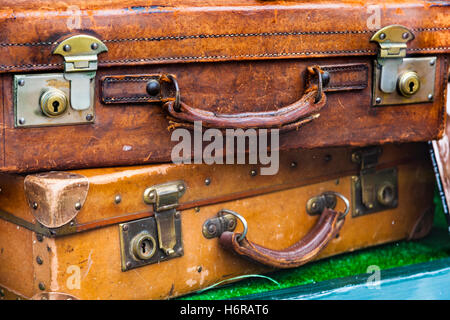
(303,110)
(305,250)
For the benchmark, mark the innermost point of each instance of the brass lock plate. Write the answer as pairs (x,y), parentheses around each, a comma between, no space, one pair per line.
(379,189)
(139,243)
(33,91)
(418,88)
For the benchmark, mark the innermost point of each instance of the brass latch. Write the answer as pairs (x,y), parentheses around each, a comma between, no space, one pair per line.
(400,80)
(164,198)
(158,238)
(373,190)
(80,66)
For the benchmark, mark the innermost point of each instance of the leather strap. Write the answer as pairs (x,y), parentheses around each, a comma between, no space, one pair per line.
(305,250)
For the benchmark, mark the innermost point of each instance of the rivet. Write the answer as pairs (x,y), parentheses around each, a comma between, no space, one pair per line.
(405,35)
(177,215)
(207,181)
(180,187)
(153,87)
(125,227)
(72,223)
(21,82)
(35,205)
(432,62)
(128,264)
(152,195)
(22,121)
(39,260)
(197,209)
(41,286)
(231,224)
(383,36)
(253,173)
(378,100)
(212,229)
(89,117)
(430,96)
(67,48)
(199,269)
(117,199)
(77,206)
(94,46)
(293,164)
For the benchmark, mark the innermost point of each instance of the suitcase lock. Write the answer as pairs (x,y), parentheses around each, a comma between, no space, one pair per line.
(50,99)
(397,79)
(158,238)
(373,190)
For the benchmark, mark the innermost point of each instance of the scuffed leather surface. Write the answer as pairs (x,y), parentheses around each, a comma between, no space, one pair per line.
(159,32)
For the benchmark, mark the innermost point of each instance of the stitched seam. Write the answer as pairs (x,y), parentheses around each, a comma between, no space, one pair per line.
(350,68)
(222,57)
(355,85)
(225,35)
(140,79)
(126,98)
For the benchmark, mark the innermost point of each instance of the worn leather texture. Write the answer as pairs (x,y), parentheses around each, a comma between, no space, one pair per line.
(230,57)
(273,206)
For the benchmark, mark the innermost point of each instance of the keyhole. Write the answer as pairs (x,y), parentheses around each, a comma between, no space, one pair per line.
(411,87)
(55,105)
(387,194)
(144,247)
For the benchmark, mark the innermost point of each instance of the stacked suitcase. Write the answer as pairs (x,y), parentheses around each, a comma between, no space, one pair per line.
(217,141)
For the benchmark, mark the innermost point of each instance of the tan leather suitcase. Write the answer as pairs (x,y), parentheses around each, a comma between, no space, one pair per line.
(97,84)
(161,231)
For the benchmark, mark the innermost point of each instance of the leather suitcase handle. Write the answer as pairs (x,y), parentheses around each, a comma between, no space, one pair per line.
(292,116)
(304,251)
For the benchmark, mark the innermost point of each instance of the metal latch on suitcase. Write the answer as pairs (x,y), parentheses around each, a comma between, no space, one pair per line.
(397,79)
(158,238)
(373,190)
(50,99)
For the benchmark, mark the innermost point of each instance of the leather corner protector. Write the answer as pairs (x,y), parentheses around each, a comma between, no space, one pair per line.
(55,198)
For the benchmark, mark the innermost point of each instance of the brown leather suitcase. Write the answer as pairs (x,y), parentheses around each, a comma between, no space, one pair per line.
(161,231)
(95,84)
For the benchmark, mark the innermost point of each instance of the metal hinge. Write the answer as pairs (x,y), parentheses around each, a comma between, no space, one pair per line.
(400,80)
(372,190)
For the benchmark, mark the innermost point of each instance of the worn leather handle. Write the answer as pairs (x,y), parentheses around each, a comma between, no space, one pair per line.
(305,250)
(303,110)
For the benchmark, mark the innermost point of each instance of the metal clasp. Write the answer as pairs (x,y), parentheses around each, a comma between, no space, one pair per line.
(164,198)
(80,66)
(392,42)
(373,190)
